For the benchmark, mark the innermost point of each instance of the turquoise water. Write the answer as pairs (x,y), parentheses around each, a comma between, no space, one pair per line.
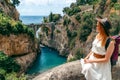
(48,59)
(31,19)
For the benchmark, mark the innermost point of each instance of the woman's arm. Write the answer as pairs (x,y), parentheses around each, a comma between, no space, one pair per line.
(88,55)
(109,52)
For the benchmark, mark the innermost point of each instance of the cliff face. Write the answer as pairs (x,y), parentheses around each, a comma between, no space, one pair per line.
(16,44)
(9,9)
(21,46)
(55,37)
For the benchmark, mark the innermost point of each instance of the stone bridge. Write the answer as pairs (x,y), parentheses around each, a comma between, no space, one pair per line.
(35,27)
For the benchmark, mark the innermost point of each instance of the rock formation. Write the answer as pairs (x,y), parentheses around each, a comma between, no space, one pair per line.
(9,9)
(54,38)
(72,71)
(21,46)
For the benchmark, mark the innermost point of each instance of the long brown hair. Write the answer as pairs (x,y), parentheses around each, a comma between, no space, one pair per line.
(102,34)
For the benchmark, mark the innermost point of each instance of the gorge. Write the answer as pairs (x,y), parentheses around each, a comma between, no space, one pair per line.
(71,35)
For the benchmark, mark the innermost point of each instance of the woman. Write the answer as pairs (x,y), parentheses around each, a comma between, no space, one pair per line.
(96,65)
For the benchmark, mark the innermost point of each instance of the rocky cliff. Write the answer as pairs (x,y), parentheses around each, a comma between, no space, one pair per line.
(16,44)
(21,47)
(9,9)
(54,36)
(72,71)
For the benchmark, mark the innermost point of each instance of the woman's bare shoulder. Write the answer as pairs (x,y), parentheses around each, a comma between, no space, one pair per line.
(112,41)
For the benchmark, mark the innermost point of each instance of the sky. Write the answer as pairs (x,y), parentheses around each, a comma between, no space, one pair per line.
(42,7)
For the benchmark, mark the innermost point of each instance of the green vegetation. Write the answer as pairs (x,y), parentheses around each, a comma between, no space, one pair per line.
(85,20)
(58,31)
(9,68)
(66,21)
(15,2)
(51,17)
(8,64)
(45,29)
(72,43)
(114,1)
(78,17)
(115,21)
(72,37)
(86,26)
(117,6)
(9,26)
(78,55)
(82,2)
(54,17)
(102,7)
(66,10)
(85,30)
(45,20)
(71,34)
(71,11)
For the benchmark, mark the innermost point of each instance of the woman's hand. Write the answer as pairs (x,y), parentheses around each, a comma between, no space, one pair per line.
(87,61)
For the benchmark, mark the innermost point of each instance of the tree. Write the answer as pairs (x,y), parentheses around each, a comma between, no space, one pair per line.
(66,21)
(15,2)
(114,1)
(78,17)
(56,17)
(45,19)
(73,5)
(71,11)
(115,21)
(75,10)
(86,26)
(66,10)
(117,6)
(80,2)
(51,17)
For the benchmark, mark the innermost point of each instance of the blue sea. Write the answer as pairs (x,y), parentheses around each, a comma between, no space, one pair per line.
(31,19)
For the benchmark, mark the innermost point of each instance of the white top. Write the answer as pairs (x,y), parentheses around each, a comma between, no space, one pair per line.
(97,47)
(96,71)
